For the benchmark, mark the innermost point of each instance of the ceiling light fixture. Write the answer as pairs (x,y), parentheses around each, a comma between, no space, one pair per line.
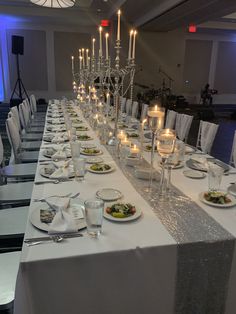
(54,3)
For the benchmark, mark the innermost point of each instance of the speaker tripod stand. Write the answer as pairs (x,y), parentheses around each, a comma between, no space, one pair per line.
(19,88)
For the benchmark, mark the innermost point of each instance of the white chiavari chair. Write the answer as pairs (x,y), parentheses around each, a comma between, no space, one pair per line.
(24,136)
(18,156)
(122,104)
(24,114)
(128,107)
(144,112)
(134,112)
(206,136)
(15,171)
(170,119)
(232,160)
(182,126)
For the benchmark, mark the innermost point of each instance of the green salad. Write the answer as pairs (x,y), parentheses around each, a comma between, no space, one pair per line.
(121,210)
(133,135)
(149,147)
(91,151)
(83,137)
(217,197)
(100,167)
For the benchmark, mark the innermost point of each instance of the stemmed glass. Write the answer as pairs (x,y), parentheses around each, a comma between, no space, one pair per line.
(156,116)
(165,146)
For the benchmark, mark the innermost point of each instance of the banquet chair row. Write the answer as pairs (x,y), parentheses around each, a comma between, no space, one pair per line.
(206,136)
(180,122)
(132,108)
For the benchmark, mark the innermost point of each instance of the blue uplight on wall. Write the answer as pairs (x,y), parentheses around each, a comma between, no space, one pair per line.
(6,21)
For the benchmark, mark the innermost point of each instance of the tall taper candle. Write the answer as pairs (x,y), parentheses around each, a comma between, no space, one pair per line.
(88,63)
(80,62)
(100,41)
(107,35)
(83,57)
(93,46)
(72,63)
(130,43)
(118,25)
(133,54)
(87,51)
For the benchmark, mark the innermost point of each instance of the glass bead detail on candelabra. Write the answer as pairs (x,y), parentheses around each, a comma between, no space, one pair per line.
(166,139)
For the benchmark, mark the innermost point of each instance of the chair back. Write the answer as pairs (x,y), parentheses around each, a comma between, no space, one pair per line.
(170,119)
(33,104)
(14,139)
(128,107)
(1,151)
(122,104)
(182,126)
(15,114)
(232,160)
(135,109)
(144,112)
(206,136)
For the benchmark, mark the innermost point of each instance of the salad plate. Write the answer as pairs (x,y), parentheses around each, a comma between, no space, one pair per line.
(101,168)
(194,174)
(109,195)
(88,145)
(219,199)
(122,212)
(42,215)
(91,151)
(93,160)
(56,129)
(81,128)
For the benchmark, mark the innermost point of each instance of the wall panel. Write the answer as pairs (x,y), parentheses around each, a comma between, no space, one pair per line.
(196,65)
(33,64)
(67,44)
(225,75)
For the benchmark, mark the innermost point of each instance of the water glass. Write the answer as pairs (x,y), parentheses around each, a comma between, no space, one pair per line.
(79,168)
(94,215)
(75,149)
(215,173)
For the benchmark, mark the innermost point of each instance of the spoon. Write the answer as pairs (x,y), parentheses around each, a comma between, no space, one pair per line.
(55,239)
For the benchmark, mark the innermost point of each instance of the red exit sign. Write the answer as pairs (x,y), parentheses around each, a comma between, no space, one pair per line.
(105,23)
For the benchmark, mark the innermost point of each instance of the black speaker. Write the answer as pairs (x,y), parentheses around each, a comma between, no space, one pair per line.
(17,46)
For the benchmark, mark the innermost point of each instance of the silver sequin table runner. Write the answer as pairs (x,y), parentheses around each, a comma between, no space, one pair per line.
(205,248)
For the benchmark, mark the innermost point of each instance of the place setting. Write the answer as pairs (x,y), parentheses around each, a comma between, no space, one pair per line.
(215,196)
(56,138)
(57,153)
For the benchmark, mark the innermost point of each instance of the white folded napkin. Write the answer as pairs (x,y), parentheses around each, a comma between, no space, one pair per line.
(61,163)
(60,173)
(59,138)
(200,162)
(63,221)
(60,154)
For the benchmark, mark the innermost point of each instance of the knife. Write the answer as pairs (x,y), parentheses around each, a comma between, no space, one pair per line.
(63,235)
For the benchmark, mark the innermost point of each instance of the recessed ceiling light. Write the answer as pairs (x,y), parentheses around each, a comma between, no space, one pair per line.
(99,10)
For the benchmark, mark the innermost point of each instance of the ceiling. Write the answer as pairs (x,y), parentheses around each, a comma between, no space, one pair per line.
(149,15)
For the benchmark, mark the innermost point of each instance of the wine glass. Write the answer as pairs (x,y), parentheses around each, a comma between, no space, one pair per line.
(165,146)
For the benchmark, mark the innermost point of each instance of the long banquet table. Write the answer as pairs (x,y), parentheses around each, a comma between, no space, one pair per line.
(174,259)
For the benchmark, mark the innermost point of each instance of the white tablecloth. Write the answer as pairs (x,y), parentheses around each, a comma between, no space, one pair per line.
(130,268)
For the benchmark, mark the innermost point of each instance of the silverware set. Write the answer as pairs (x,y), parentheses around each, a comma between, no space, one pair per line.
(57,238)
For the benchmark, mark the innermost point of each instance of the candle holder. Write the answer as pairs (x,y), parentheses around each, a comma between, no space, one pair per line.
(165,146)
(156,121)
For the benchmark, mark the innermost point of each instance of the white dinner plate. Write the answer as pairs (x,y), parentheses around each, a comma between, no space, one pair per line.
(51,151)
(108,194)
(130,218)
(179,165)
(43,173)
(94,160)
(194,174)
(76,204)
(88,145)
(55,129)
(232,203)
(101,172)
